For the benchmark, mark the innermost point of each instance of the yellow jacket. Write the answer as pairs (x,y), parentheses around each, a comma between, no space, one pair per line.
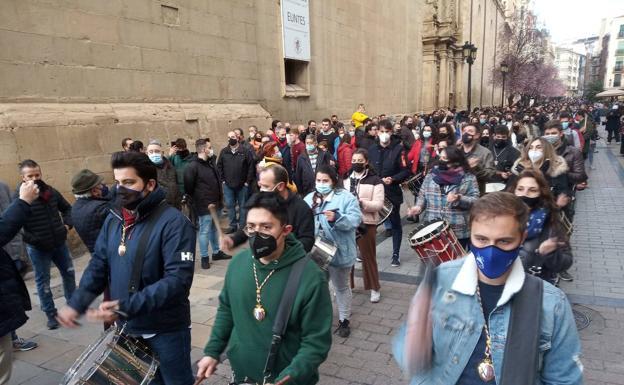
(358,118)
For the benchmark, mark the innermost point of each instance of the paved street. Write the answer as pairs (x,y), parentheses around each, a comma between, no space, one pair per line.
(364,358)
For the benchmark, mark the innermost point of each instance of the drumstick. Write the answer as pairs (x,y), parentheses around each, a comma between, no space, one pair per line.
(213,213)
(199,380)
(283,380)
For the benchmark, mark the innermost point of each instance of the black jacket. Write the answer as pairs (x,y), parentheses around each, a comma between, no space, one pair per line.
(168,180)
(202,183)
(14,299)
(236,169)
(329,138)
(504,160)
(305,176)
(44,229)
(390,162)
(301,218)
(365,141)
(88,215)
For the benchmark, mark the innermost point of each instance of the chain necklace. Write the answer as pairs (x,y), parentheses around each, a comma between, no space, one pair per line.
(122,245)
(485,367)
(258,312)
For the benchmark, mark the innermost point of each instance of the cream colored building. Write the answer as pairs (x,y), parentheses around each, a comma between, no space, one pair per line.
(77,76)
(570,64)
(615,54)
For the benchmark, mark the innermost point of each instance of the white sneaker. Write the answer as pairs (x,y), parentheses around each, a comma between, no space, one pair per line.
(375,296)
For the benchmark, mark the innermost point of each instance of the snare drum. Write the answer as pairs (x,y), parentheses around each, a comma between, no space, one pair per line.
(385,211)
(435,241)
(494,187)
(115,358)
(415,183)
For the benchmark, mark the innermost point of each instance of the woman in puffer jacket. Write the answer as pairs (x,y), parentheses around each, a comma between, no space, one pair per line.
(546,250)
(365,184)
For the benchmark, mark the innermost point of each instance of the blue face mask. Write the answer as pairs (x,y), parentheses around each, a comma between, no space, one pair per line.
(323,188)
(310,147)
(482,121)
(156,158)
(492,261)
(564,125)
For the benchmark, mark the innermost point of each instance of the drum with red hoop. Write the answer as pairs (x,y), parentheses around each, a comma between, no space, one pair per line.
(435,242)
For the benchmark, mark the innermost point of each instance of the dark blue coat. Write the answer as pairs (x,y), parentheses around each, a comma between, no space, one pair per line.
(88,215)
(14,299)
(390,162)
(161,303)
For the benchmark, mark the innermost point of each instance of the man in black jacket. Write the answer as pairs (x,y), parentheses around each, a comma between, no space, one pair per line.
(201,183)
(307,164)
(14,299)
(91,207)
(504,154)
(236,170)
(388,159)
(45,234)
(275,178)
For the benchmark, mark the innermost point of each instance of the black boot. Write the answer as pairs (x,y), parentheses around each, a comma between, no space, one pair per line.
(343,329)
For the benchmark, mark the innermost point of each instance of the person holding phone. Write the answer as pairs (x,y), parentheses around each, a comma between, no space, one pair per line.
(546,250)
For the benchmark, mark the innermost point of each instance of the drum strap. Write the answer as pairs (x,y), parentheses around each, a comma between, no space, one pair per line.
(283,314)
(139,255)
(520,360)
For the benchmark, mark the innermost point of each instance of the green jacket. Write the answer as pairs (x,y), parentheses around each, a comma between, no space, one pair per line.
(308,335)
(180,163)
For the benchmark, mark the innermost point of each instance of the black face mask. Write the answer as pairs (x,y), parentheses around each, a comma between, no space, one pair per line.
(443,165)
(466,138)
(531,202)
(410,126)
(232,142)
(442,135)
(358,167)
(485,141)
(500,143)
(282,140)
(41,184)
(262,247)
(129,198)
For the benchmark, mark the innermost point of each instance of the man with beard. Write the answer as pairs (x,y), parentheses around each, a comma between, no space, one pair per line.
(145,253)
(45,235)
(479,158)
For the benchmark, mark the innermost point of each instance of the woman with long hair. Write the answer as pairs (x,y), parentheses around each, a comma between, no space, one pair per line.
(448,193)
(364,183)
(337,215)
(546,250)
(344,153)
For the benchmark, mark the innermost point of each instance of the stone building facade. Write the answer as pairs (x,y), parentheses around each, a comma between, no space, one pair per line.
(77,76)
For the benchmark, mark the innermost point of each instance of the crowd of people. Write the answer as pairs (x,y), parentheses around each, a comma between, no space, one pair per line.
(504,179)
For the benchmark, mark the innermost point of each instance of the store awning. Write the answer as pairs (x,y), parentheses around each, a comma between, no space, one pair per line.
(610,93)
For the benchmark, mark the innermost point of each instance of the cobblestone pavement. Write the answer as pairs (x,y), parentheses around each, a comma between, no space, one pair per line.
(364,358)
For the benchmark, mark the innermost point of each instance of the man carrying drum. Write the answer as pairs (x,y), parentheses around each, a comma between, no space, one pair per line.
(483,319)
(145,250)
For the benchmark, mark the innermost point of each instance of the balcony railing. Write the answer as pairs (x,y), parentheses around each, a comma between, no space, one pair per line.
(618,68)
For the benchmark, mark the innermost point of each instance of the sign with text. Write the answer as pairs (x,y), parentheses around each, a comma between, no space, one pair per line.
(296,29)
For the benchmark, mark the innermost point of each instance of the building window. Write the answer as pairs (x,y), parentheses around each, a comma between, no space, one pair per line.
(617,80)
(621,33)
(297,78)
(620,49)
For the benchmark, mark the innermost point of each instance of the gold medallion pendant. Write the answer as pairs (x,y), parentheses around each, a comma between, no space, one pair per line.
(486,370)
(258,312)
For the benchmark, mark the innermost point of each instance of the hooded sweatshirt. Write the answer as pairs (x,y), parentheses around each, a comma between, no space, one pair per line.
(307,339)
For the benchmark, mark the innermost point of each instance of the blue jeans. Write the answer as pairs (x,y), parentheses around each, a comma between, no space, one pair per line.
(397,230)
(232,198)
(41,260)
(173,350)
(207,234)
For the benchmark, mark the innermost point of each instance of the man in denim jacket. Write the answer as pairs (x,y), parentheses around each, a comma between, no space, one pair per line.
(484,282)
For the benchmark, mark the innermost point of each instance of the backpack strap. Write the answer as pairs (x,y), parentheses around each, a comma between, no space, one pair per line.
(139,255)
(520,360)
(283,314)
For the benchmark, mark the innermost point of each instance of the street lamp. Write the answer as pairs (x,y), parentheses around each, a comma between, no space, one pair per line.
(504,69)
(469,52)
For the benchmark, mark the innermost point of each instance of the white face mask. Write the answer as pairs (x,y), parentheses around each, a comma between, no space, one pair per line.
(535,155)
(384,137)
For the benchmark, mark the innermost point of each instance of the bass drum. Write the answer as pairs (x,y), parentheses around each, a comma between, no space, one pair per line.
(435,242)
(385,211)
(113,359)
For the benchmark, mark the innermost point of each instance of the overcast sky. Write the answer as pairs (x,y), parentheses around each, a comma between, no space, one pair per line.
(573,19)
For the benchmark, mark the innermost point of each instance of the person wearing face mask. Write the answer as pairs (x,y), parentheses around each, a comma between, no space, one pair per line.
(569,130)
(337,215)
(443,132)
(484,304)
(155,307)
(540,155)
(307,165)
(555,135)
(167,175)
(236,168)
(479,158)
(406,132)
(345,152)
(254,284)
(368,188)
(256,145)
(485,138)
(45,235)
(390,162)
(180,157)
(284,147)
(504,153)
(613,124)
(546,251)
(448,192)
(275,179)
(202,184)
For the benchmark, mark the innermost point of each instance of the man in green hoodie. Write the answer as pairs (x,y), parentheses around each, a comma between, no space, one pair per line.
(248,303)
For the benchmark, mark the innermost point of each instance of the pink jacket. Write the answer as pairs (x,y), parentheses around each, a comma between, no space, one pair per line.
(370,192)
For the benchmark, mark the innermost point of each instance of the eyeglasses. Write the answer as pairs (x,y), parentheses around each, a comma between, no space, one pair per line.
(263,231)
